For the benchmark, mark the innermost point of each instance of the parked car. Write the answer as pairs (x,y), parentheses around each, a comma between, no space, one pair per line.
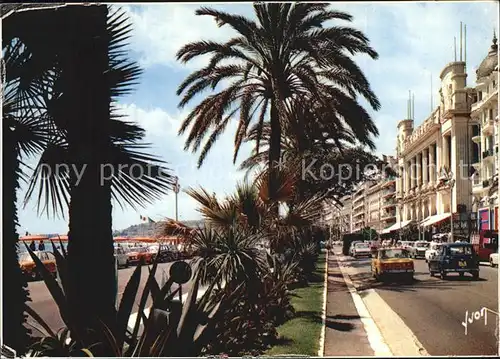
(392,262)
(28,267)
(168,253)
(140,255)
(121,257)
(455,258)
(408,245)
(361,250)
(494,259)
(432,250)
(418,249)
(351,248)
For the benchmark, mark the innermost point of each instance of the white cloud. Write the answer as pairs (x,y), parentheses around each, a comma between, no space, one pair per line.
(160,30)
(218,174)
(156,122)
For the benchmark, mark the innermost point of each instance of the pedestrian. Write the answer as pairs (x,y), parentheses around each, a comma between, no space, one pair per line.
(41,246)
(33,246)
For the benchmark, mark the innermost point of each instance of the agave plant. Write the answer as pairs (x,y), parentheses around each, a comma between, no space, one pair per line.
(171,329)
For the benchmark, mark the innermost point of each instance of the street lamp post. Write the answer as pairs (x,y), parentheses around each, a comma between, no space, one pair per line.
(176,190)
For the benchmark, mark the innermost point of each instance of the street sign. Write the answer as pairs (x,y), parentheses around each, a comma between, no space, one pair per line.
(180,272)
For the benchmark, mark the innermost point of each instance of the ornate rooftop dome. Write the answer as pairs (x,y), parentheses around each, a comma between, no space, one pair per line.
(490,62)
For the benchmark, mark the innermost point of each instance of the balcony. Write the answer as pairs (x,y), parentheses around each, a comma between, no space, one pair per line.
(488,126)
(388,215)
(476,138)
(477,187)
(484,100)
(388,193)
(488,154)
(389,203)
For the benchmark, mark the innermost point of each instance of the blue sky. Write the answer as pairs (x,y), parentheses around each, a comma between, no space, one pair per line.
(414,41)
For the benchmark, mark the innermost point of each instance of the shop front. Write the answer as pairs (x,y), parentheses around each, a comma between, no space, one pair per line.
(484,219)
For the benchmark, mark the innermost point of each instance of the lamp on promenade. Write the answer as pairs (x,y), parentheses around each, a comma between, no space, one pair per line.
(177,188)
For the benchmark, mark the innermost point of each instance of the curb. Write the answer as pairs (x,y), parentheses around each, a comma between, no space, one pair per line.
(321,350)
(402,342)
(375,338)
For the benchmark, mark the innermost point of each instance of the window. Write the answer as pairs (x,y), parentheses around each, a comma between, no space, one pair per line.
(422,244)
(465,250)
(492,244)
(361,245)
(25,257)
(394,253)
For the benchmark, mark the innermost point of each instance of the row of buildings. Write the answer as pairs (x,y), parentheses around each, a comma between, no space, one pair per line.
(448,165)
(372,205)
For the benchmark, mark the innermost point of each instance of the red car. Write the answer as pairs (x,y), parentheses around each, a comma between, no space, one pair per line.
(140,255)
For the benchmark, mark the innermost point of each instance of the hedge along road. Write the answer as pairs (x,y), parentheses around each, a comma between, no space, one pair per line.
(45,306)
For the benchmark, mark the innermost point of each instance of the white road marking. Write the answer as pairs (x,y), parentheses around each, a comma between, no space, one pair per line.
(321,350)
(375,338)
(401,340)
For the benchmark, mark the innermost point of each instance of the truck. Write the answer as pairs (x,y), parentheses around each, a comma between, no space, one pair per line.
(347,239)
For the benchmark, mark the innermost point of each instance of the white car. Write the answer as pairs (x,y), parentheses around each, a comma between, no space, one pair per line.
(494,259)
(432,250)
(351,248)
(361,250)
(419,249)
(121,257)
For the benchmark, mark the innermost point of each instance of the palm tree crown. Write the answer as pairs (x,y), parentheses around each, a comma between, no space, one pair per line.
(285,56)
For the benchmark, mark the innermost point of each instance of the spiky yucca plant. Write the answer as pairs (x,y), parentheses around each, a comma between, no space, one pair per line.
(171,329)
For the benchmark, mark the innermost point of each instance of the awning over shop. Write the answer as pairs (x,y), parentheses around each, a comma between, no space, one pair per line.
(396,226)
(429,221)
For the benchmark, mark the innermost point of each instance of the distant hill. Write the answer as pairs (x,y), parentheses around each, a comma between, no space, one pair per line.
(150,229)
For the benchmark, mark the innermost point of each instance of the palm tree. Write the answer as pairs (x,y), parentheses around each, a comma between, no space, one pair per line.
(283,57)
(25,131)
(251,209)
(102,153)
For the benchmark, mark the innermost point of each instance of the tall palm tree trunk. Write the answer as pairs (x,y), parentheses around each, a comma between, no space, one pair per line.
(15,293)
(274,151)
(90,249)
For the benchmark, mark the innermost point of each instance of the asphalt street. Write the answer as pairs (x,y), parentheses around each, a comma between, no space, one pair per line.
(44,305)
(434,309)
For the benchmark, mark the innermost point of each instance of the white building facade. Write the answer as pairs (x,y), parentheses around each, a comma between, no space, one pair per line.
(484,114)
(436,150)
(435,158)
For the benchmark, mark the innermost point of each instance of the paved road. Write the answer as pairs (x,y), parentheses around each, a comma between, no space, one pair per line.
(44,305)
(434,309)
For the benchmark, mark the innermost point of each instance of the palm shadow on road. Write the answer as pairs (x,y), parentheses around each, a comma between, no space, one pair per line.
(356,263)
(366,281)
(340,322)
